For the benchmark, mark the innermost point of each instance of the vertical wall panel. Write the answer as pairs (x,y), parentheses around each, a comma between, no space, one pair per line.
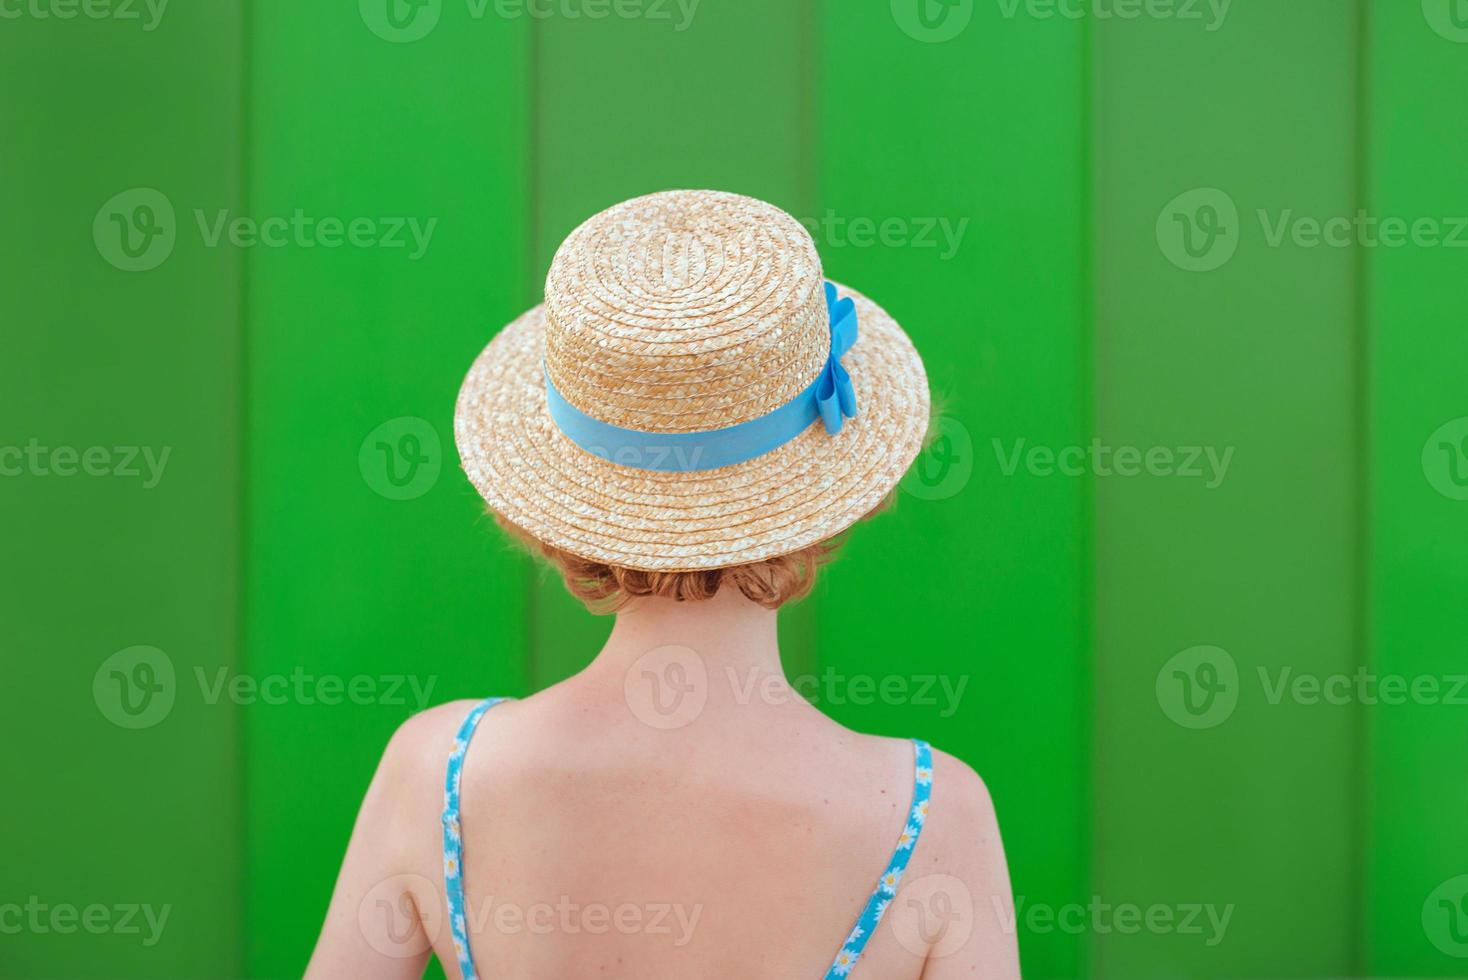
(362,560)
(683,95)
(119,785)
(953,192)
(1418,308)
(1212,787)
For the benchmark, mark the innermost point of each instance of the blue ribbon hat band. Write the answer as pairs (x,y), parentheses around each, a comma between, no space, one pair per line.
(830,398)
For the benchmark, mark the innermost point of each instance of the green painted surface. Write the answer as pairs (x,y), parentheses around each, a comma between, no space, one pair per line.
(344,579)
(94,357)
(971,153)
(1417,916)
(1257,809)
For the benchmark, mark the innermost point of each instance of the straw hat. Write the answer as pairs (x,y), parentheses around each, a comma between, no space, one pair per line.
(683,399)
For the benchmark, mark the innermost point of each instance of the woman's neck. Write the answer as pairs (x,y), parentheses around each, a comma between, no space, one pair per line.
(726,646)
(728,628)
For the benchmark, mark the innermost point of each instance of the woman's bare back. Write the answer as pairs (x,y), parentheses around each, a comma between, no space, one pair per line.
(747,840)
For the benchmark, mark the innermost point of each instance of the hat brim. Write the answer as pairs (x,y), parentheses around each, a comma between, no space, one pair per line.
(810,489)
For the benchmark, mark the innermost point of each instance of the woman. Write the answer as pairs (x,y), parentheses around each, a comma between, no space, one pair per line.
(682,429)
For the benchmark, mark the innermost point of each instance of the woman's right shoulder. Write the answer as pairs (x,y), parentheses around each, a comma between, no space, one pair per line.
(964,791)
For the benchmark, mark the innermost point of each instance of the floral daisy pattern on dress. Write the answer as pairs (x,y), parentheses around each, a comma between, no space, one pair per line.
(453,843)
(876,907)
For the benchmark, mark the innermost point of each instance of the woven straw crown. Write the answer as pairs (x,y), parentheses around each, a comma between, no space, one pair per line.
(685,311)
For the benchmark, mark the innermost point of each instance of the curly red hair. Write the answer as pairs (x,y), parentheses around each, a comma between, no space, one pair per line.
(606,588)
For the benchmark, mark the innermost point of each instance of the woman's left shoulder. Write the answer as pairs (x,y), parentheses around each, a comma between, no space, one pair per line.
(424,740)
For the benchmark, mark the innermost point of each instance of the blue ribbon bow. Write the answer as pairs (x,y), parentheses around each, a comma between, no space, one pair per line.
(835,396)
(831,397)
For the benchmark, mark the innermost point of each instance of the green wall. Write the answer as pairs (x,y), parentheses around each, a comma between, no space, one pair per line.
(1414,310)
(1258,356)
(1016,185)
(102,370)
(352,350)
(979,575)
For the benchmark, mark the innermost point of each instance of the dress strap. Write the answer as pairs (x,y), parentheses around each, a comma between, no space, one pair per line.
(876,907)
(453,839)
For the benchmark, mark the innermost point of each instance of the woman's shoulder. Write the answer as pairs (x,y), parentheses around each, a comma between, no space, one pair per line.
(415,760)
(429,732)
(962,787)
(416,757)
(962,827)
(430,721)
(958,784)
